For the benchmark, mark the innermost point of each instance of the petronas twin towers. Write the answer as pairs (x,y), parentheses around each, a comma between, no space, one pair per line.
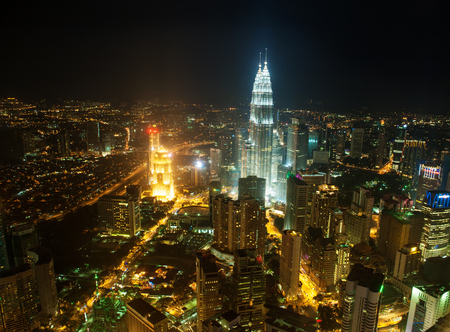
(258,154)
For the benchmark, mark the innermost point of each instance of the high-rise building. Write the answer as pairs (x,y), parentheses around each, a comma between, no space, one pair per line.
(396,230)
(239,224)
(134,190)
(223,322)
(397,150)
(407,261)
(297,145)
(41,259)
(209,298)
(4,255)
(319,259)
(253,186)
(119,214)
(324,199)
(413,150)
(142,317)
(313,143)
(250,282)
(109,314)
(296,204)
(19,299)
(282,175)
(240,136)
(313,179)
(64,143)
(259,158)
(436,231)
(291,242)
(381,149)
(92,135)
(215,189)
(428,304)
(429,179)
(343,258)
(335,144)
(161,174)
(226,145)
(361,303)
(357,142)
(23,237)
(215,156)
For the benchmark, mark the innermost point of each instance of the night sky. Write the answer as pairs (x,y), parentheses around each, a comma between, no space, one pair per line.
(344,54)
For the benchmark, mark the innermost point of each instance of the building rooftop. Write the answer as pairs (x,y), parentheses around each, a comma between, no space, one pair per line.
(366,277)
(146,310)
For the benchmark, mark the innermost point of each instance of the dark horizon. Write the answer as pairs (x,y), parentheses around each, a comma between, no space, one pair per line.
(344,56)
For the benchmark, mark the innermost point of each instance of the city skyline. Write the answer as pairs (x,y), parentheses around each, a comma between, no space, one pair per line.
(336,57)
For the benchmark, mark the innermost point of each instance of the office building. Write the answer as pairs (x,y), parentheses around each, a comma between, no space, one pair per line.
(226,145)
(199,174)
(413,150)
(407,261)
(297,145)
(223,322)
(319,259)
(291,246)
(215,189)
(278,319)
(296,204)
(313,179)
(250,282)
(41,259)
(109,314)
(336,222)
(209,298)
(397,150)
(142,317)
(239,224)
(215,156)
(357,142)
(313,143)
(240,136)
(361,303)
(119,214)
(282,175)
(325,198)
(357,227)
(63,143)
(161,175)
(342,258)
(428,304)
(396,230)
(259,156)
(23,237)
(381,150)
(429,179)
(4,255)
(134,191)
(436,232)
(253,186)
(19,299)
(92,135)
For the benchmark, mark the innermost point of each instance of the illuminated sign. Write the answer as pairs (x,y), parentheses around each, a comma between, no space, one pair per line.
(438,199)
(430,172)
(153,131)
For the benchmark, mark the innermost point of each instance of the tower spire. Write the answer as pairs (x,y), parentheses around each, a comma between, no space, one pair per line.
(265,62)
(259,59)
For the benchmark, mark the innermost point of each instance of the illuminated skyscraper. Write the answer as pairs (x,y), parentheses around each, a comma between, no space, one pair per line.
(297,145)
(162,183)
(261,127)
(436,232)
(429,180)
(290,262)
(399,142)
(209,299)
(296,204)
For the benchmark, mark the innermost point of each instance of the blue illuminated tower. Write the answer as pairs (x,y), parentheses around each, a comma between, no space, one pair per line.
(261,127)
